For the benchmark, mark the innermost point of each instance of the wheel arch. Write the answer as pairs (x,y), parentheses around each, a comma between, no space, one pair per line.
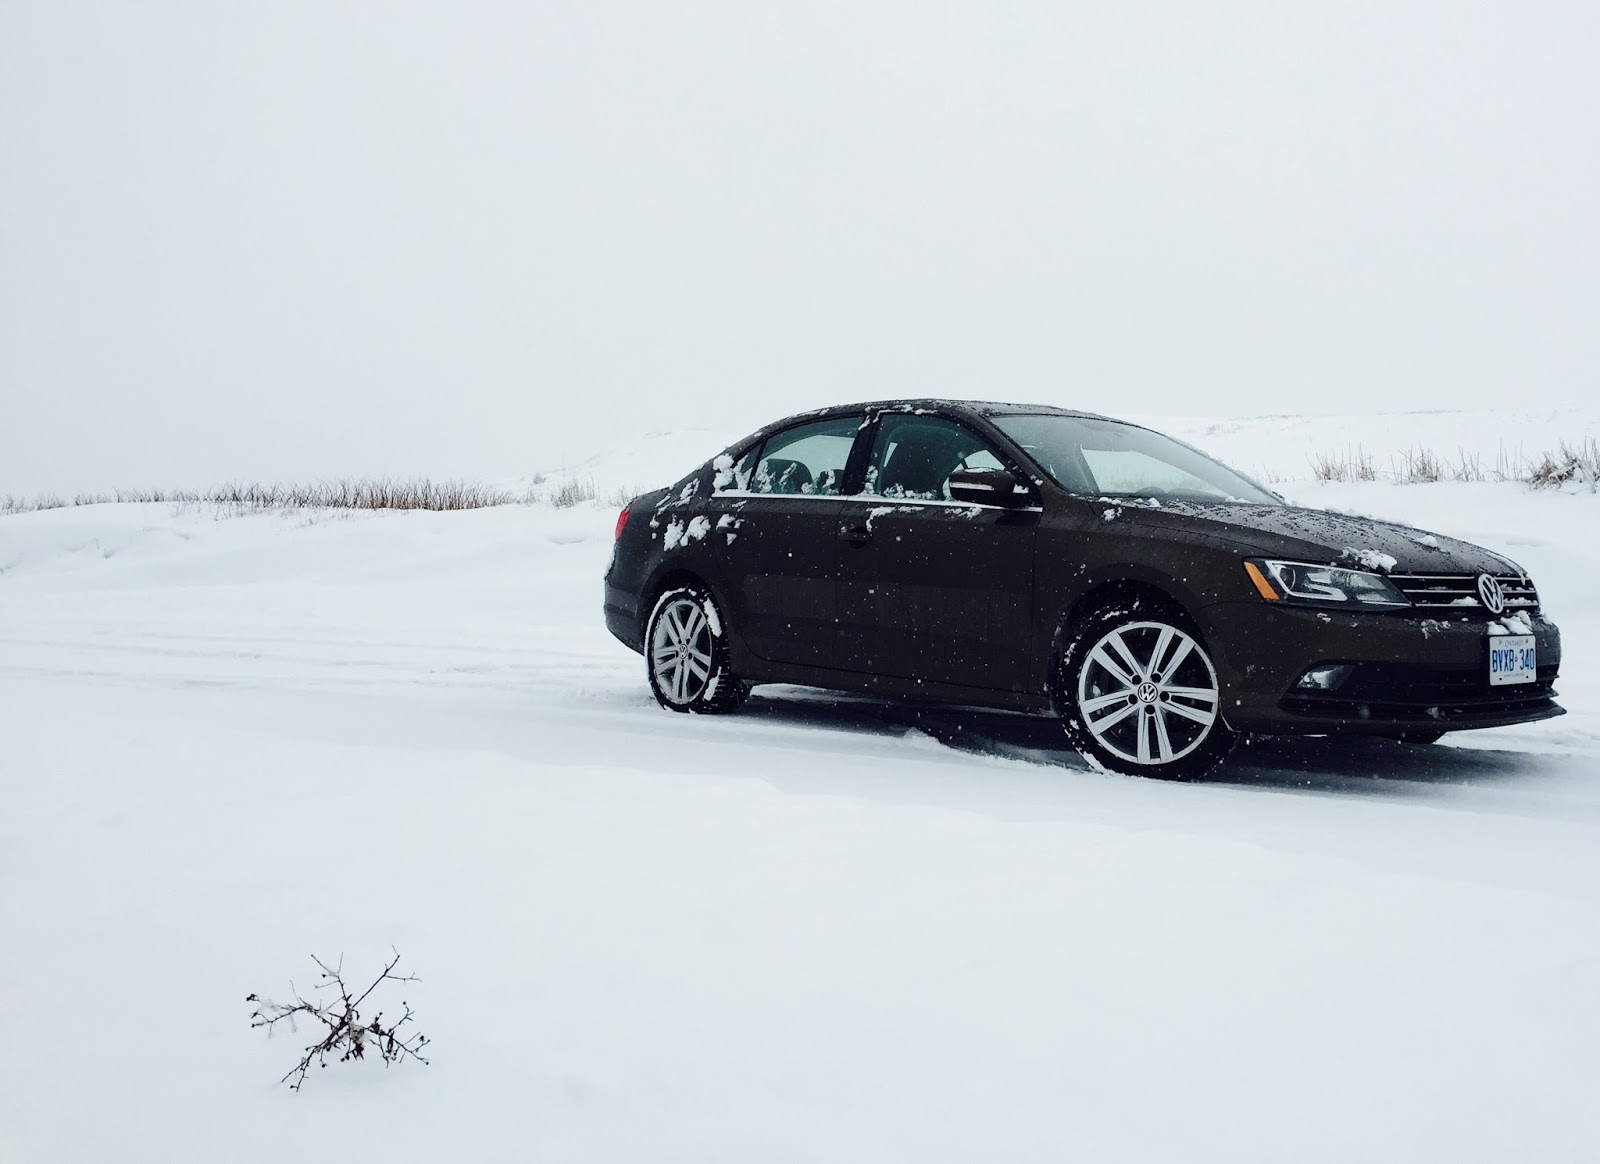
(1110,590)
(669,579)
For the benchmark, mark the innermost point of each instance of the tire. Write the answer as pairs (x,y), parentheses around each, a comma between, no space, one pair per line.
(686,654)
(1138,694)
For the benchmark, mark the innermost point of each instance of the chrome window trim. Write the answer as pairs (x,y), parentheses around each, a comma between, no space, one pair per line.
(872,498)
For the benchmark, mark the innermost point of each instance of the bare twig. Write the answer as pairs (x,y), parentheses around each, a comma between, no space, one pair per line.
(345,1033)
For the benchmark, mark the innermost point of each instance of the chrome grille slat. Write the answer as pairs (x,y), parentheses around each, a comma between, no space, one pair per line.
(1444,591)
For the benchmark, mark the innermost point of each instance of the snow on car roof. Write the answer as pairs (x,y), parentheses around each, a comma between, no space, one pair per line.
(978,407)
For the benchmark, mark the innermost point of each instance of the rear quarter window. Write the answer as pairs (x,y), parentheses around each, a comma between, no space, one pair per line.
(806,460)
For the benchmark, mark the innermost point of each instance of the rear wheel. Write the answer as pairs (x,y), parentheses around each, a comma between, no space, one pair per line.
(1138,694)
(686,654)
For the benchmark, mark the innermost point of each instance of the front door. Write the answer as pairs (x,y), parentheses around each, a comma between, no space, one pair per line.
(930,588)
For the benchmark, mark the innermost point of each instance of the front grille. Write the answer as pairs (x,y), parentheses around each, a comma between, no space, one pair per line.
(1412,693)
(1538,704)
(1418,683)
(1458,593)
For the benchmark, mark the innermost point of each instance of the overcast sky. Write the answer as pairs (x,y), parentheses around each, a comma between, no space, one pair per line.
(283,240)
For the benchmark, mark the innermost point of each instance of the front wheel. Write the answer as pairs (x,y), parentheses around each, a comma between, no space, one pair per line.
(1138,695)
(686,654)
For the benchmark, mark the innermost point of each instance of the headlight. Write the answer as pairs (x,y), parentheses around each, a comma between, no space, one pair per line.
(1322,585)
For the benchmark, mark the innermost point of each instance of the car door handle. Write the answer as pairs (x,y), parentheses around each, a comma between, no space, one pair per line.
(856,535)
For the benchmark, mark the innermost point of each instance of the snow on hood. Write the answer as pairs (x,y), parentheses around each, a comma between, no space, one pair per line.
(1320,535)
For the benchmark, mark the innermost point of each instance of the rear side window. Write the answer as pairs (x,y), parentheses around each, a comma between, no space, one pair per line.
(806,459)
(913,456)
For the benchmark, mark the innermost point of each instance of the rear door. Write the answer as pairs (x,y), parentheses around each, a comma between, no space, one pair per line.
(929,588)
(779,518)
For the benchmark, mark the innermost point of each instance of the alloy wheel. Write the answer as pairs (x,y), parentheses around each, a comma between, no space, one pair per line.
(680,651)
(1147,693)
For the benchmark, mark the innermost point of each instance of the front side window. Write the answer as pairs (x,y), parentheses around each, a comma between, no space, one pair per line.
(1106,458)
(913,456)
(807,459)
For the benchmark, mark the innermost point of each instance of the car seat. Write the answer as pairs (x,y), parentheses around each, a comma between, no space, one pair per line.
(921,461)
(784,476)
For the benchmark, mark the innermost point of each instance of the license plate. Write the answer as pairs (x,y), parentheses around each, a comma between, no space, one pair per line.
(1512,659)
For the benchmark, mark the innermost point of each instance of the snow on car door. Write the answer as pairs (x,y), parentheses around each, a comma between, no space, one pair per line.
(784,508)
(928,588)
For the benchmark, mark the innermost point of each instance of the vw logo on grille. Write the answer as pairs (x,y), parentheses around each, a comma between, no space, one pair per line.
(1489,590)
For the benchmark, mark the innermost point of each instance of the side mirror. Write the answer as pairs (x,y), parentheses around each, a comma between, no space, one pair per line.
(989,487)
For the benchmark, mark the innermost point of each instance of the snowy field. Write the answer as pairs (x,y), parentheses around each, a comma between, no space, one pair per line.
(820,930)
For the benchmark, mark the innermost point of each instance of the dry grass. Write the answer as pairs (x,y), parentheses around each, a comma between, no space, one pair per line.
(570,489)
(345,493)
(572,492)
(364,493)
(1347,466)
(1571,464)
(10,504)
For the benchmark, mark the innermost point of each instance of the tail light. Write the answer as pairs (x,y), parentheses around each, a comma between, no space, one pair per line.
(622,522)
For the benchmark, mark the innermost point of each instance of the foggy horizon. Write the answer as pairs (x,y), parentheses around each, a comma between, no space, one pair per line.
(316,240)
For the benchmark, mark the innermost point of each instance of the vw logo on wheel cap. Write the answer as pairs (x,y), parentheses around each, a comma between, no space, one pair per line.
(1489,590)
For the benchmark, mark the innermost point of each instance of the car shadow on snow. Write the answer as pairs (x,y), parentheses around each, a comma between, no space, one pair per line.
(1349,764)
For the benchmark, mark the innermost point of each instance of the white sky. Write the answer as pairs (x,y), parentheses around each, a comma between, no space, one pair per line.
(283,240)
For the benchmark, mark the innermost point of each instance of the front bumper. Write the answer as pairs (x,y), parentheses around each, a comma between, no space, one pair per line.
(1410,673)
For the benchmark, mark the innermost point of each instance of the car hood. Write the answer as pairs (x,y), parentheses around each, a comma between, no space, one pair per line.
(1319,535)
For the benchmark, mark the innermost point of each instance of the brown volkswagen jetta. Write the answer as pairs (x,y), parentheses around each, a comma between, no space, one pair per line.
(1037,559)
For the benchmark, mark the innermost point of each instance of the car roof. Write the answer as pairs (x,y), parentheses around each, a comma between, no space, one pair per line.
(983,408)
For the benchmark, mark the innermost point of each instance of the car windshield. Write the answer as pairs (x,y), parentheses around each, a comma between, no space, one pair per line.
(1104,458)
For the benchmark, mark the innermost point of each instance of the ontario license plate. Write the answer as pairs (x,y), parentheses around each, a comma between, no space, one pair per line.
(1512,659)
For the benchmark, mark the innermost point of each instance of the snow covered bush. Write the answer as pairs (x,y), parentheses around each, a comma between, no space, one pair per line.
(1572,464)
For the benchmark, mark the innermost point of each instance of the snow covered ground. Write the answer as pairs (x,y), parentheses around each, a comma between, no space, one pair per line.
(819,930)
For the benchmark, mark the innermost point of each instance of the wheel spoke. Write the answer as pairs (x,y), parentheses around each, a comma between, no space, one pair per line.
(1106,722)
(1200,693)
(1163,741)
(1101,702)
(1144,739)
(1163,641)
(1115,639)
(680,682)
(1185,645)
(1117,670)
(697,669)
(1199,715)
(692,623)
